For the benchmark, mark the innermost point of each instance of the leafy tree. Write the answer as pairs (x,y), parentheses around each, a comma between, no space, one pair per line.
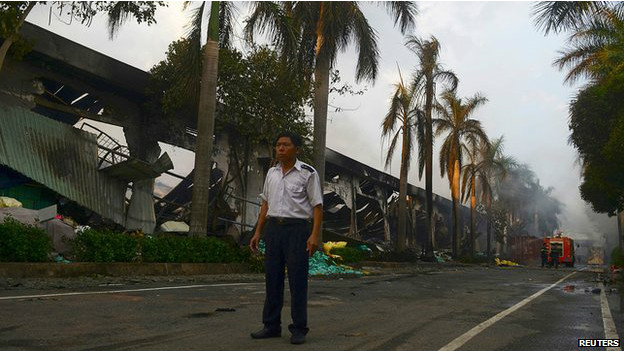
(257,96)
(596,122)
(426,78)
(455,120)
(492,168)
(594,51)
(14,13)
(405,113)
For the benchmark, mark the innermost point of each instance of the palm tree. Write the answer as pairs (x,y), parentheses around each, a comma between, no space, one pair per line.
(595,51)
(405,113)
(595,46)
(206,116)
(558,16)
(488,164)
(426,78)
(455,120)
(473,173)
(314,33)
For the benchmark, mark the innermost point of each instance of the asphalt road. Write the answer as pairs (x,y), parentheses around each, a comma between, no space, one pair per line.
(424,311)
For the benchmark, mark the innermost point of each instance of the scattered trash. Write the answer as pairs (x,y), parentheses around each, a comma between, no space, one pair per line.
(225,309)
(321,264)
(9,202)
(568,288)
(505,263)
(81,229)
(329,245)
(442,256)
(61,259)
(364,248)
(174,227)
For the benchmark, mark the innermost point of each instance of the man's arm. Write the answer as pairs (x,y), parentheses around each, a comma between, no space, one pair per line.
(314,240)
(255,240)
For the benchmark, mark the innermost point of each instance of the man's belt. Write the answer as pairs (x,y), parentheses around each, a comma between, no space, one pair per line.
(287,221)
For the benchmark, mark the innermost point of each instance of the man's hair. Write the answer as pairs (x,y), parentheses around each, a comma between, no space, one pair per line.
(294,138)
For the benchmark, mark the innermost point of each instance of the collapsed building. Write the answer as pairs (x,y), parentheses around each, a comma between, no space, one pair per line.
(47,157)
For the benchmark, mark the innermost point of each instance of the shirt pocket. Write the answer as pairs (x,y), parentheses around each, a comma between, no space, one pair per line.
(297,189)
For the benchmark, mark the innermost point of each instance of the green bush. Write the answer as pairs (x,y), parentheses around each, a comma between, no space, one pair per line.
(105,246)
(348,254)
(183,249)
(617,257)
(477,259)
(23,243)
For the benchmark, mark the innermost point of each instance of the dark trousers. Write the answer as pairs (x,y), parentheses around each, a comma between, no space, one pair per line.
(555,261)
(286,247)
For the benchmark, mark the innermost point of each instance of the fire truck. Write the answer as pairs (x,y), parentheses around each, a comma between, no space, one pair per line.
(564,245)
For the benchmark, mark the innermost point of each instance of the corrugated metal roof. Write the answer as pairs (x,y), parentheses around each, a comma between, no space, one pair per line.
(62,158)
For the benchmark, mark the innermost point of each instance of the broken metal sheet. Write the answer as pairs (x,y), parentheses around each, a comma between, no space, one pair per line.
(133,169)
(60,157)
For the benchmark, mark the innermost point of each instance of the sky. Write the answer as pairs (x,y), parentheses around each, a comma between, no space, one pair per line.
(494,49)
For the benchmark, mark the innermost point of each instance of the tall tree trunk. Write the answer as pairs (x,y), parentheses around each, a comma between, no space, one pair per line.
(205,127)
(489,229)
(402,203)
(620,220)
(429,168)
(455,196)
(473,204)
(536,222)
(6,44)
(321,92)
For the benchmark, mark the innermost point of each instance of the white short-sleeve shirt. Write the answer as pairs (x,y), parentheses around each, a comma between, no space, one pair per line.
(294,194)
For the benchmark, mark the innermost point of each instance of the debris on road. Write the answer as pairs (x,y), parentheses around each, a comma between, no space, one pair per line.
(505,263)
(323,265)
(225,309)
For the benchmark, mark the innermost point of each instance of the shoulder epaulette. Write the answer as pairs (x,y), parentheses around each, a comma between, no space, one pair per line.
(306,167)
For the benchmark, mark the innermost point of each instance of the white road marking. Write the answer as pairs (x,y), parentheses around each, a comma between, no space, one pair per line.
(123,291)
(607,319)
(459,341)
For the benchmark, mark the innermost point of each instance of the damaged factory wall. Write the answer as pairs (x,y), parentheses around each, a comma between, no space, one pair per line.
(59,74)
(61,157)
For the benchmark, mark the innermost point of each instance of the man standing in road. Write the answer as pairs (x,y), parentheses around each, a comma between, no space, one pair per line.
(291,198)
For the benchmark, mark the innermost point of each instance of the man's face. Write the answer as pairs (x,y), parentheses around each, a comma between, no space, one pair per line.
(285,150)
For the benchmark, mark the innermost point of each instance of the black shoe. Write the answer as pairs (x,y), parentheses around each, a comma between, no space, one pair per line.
(265,333)
(297,338)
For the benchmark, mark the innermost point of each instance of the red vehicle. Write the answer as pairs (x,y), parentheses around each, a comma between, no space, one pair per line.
(565,246)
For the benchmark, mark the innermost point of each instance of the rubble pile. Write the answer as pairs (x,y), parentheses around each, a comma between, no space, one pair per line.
(323,265)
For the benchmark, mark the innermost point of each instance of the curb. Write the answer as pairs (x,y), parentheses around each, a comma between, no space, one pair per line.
(80,269)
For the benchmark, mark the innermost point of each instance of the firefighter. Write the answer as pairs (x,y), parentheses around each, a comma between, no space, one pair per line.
(554,255)
(544,253)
